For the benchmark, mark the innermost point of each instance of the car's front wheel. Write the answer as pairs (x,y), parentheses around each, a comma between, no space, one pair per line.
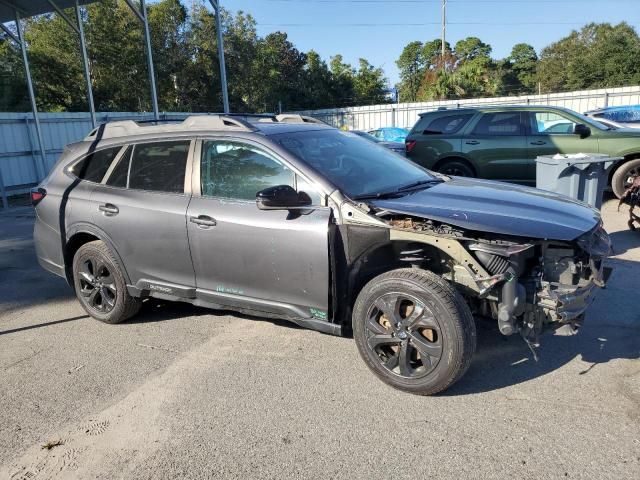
(100,285)
(414,331)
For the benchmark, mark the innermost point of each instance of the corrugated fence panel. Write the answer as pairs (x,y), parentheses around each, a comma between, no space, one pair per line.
(19,147)
(406,114)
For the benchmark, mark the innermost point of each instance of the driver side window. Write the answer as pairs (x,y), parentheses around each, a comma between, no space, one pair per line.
(239,171)
(550,123)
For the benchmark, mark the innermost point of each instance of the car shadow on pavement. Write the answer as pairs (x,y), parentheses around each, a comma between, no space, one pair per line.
(624,241)
(505,361)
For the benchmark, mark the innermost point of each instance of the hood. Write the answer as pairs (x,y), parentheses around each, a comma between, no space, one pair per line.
(503,208)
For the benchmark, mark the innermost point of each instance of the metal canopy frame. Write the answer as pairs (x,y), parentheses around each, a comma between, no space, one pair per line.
(15,10)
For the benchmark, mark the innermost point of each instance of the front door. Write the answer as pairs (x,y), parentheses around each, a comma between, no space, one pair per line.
(497,145)
(141,206)
(269,261)
(551,133)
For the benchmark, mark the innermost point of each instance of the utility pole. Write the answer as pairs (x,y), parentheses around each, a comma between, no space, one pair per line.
(444,31)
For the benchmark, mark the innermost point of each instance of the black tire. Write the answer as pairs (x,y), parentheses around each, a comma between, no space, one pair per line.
(439,324)
(456,168)
(620,180)
(100,285)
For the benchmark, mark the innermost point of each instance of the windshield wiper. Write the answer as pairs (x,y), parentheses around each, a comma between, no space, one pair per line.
(399,192)
(420,183)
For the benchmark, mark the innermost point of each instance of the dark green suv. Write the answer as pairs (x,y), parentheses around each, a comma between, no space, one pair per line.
(502,143)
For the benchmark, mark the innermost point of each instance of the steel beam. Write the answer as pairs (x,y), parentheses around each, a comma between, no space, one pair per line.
(41,167)
(85,64)
(142,16)
(10,33)
(63,15)
(223,71)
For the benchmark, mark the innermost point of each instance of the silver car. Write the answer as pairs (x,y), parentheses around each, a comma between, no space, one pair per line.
(287,217)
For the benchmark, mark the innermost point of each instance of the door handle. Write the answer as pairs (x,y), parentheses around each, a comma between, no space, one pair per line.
(472,142)
(108,209)
(203,221)
(539,142)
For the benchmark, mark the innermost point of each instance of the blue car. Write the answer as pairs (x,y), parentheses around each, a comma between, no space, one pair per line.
(628,116)
(390,134)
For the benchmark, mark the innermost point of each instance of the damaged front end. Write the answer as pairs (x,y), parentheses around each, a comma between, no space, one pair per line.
(524,284)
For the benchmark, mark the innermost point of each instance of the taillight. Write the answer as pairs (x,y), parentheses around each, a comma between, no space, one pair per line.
(37,194)
(409,145)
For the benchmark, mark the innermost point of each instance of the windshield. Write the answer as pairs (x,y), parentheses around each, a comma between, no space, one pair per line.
(356,166)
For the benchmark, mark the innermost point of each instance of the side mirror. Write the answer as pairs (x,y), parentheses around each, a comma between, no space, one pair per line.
(280,197)
(582,130)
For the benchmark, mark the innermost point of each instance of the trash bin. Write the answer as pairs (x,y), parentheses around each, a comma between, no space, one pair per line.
(582,176)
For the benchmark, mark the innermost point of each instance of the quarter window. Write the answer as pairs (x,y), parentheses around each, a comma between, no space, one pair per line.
(159,167)
(499,124)
(239,171)
(94,166)
(447,125)
(119,176)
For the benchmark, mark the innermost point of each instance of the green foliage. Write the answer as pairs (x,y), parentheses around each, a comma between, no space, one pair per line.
(262,73)
(599,55)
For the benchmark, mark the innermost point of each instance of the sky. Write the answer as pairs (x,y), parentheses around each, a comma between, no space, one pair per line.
(378,30)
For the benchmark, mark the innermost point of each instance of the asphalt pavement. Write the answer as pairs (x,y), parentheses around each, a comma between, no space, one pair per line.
(184,392)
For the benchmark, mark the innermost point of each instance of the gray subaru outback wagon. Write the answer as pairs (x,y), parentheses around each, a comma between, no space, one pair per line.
(283,216)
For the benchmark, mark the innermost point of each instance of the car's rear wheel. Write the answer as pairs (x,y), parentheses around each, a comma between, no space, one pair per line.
(624,175)
(456,168)
(100,285)
(414,331)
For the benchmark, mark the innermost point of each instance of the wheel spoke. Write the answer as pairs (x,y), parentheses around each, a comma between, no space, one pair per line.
(87,271)
(92,297)
(87,290)
(424,322)
(107,299)
(389,307)
(404,359)
(375,327)
(385,339)
(426,348)
(392,362)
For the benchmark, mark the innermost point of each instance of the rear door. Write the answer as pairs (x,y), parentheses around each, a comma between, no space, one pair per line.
(497,144)
(269,261)
(141,205)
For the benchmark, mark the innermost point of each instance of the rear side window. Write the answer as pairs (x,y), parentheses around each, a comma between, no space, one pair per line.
(158,167)
(93,167)
(499,124)
(448,125)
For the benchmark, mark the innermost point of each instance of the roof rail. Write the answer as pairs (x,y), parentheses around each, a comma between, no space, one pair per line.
(194,122)
(296,118)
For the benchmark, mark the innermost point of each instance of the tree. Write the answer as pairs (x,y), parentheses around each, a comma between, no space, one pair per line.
(524,63)
(369,84)
(597,56)
(472,48)
(412,65)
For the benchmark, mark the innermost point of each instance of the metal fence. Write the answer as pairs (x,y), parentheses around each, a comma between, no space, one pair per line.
(406,114)
(19,147)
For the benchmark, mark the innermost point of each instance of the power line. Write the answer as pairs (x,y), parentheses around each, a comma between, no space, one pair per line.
(423,24)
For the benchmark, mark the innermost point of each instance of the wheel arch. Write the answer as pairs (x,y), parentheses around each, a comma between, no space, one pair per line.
(458,158)
(81,234)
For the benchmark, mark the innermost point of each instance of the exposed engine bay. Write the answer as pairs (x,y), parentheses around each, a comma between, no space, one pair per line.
(523,284)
